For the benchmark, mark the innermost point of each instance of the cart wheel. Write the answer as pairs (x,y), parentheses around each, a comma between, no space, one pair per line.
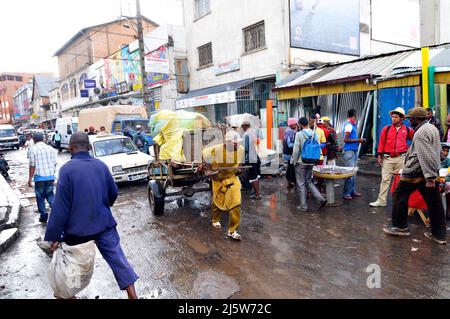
(156,197)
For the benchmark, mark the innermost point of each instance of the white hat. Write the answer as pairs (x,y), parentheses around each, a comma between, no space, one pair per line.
(233,136)
(138,127)
(400,111)
(246,122)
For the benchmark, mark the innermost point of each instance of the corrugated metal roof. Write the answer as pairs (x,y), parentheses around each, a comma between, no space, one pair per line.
(369,67)
(438,57)
(44,84)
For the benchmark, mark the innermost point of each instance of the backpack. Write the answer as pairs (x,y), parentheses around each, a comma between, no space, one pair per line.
(140,141)
(311,150)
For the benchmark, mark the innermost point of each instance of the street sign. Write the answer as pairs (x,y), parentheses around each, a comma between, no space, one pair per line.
(84,93)
(90,84)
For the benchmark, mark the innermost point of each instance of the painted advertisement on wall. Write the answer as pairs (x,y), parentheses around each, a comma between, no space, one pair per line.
(326,25)
(158,78)
(119,73)
(390,26)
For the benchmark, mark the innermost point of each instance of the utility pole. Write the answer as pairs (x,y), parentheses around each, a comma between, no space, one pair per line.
(140,30)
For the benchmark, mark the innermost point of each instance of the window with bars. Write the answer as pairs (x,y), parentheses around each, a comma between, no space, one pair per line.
(205,55)
(254,37)
(202,8)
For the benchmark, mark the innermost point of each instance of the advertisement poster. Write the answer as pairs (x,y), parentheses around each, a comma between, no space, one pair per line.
(389,26)
(326,25)
(158,78)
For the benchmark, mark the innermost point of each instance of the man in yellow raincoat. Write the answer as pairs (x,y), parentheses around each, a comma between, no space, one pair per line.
(222,162)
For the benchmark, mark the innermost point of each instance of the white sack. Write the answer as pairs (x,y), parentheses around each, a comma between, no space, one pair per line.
(71,269)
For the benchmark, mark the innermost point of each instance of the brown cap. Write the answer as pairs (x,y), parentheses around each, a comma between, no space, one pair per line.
(417,112)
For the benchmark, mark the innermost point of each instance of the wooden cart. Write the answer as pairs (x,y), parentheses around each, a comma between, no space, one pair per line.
(165,174)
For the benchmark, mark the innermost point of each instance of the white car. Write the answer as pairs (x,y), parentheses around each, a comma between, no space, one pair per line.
(125,162)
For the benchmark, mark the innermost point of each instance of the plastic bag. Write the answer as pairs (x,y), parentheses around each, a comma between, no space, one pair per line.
(71,269)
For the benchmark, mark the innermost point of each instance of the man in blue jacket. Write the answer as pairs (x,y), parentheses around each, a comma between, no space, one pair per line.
(351,146)
(81,210)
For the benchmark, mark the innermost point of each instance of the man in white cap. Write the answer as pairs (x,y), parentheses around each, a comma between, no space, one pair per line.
(222,164)
(392,148)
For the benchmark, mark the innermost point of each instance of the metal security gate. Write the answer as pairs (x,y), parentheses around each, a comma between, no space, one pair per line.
(245,99)
(252,97)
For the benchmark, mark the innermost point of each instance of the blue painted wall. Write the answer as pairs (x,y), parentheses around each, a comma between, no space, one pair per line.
(389,99)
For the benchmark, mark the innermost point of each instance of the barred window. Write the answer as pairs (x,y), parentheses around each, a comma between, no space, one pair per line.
(254,37)
(202,7)
(205,55)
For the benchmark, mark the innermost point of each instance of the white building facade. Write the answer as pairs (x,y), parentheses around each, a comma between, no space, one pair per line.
(263,41)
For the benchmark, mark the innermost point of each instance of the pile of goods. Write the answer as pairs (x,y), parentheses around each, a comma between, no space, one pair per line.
(168,129)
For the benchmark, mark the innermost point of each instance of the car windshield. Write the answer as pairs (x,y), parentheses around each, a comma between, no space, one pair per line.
(75,127)
(114,146)
(7,133)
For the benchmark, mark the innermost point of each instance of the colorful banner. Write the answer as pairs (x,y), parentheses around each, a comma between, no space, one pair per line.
(158,78)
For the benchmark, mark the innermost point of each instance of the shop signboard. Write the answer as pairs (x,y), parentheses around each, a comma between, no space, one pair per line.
(90,84)
(324,25)
(227,67)
(211,99)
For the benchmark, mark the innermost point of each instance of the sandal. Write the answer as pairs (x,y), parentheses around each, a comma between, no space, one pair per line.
(234,236)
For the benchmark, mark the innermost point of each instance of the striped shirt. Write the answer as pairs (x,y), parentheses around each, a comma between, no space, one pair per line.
(423,159)
(43,158)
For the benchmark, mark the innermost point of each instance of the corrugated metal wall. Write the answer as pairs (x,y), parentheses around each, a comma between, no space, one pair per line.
(326,104)
(346,102)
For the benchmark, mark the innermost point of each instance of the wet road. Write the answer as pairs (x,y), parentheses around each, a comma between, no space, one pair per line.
(284,253)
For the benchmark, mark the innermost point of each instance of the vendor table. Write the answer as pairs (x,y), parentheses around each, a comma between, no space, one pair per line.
(330,179)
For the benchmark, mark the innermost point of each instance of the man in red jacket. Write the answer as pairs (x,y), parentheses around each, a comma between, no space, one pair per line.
(391,152)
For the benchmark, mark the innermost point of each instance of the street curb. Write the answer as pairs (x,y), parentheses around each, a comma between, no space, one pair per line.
(9,228)
(7,238)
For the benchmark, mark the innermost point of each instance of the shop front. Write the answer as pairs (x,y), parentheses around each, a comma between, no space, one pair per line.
(218,102)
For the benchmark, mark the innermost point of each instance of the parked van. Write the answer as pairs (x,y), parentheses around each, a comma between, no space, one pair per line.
(66,126)
(8,137)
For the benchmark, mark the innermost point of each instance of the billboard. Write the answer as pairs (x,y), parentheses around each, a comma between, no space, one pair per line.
(326,25)
(155,78)
(396,22)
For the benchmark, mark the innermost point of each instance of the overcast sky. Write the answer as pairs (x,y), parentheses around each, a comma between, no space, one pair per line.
(31,31)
